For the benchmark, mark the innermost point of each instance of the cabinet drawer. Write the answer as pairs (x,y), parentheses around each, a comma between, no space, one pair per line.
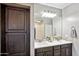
(63,51)
(47,49)
(43,49)
(66,45)
(56,47)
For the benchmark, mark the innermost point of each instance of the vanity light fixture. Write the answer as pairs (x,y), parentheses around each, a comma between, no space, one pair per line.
(48,14)
(38,21)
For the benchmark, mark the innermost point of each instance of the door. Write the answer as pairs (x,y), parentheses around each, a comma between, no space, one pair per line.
(17,31)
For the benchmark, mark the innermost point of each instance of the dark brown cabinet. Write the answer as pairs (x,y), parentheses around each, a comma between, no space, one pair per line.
(47,51)
(66,49)
(59,50)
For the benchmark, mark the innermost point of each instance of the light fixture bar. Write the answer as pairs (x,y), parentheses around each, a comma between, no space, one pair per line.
(48,15)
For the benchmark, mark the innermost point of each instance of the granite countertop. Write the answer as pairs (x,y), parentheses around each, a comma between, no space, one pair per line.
(47,44)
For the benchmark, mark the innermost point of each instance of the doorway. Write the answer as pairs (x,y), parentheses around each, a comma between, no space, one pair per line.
(15,31)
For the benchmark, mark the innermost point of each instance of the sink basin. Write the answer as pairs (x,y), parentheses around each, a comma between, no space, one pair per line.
(64,41)
(41,44)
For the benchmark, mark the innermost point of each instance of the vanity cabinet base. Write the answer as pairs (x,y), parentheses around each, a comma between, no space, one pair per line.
(59,50)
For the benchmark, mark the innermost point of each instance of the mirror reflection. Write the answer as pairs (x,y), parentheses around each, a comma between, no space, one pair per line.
(47,23)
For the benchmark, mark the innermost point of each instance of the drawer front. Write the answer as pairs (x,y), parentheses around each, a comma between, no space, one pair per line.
(66,45)
(47,49)
(56,47)
(43,49)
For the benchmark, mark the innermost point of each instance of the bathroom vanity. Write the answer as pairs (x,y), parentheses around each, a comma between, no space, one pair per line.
(56,48)
(47,29)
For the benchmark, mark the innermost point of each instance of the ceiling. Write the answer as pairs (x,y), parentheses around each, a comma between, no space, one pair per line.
(57,5)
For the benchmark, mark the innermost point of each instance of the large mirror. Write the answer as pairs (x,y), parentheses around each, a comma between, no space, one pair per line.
(47,21)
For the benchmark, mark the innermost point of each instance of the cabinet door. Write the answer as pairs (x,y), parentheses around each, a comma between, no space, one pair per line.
(57,53)
(68,51)
(48,53)
(63,51)
(56,50)
(39,54)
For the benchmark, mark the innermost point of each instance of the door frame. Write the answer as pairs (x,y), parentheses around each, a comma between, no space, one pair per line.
(31,22)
